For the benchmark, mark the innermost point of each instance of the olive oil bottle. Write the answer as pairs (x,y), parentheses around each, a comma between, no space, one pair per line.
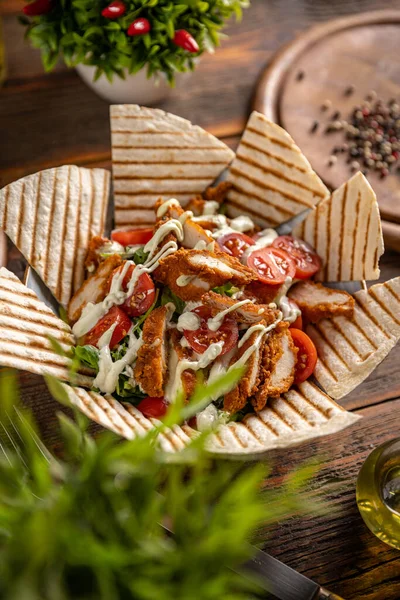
(378,492)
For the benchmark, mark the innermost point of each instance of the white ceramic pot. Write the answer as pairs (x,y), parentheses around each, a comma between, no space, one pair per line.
(135,89)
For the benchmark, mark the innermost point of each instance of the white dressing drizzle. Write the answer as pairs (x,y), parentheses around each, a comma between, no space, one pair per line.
(184,280)
(202,245)
(189,321)
(106,337)
(210,207)
(174,384)
(165,206)
(215,322)
(109,371)
(267,236)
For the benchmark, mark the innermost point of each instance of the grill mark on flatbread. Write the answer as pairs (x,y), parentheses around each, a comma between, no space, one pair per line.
(341,241)
(354,240)
(317,326)
(43,361)
(361,330)
(246,424)
(328,238)
(279,416)
(20,217)
(28,293)
(167,162)
(5,213)
(65,337)
(269,187)
(326,413)
(293,407)
(274,156)
(35,218)
(50,223)
(263,200)
(74,283)
(266,424)
(366,243)
(327,368)
(59,286)
(391,291)
(250,211)
(383,306)
(273,140)
(237,438)
(40,343)
(277,174)
(25,322)
(106,193)
(337,328)
(371,317)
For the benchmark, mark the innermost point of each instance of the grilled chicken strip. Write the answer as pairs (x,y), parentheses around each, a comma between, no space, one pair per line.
(237,398)
(177,353)
(277,366)
(151,363)
(261,293)
(249,314)
(191,273)
(193,233)
(94,289)
(317,302)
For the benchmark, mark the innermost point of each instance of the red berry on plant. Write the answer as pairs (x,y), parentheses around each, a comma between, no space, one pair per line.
(139,27)
(184,40)
(37,8)
(114,10)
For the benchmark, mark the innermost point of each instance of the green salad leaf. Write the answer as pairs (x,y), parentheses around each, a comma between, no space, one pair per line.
(168,296)
(88,355)
(140,256)
(129,392)
(228,289)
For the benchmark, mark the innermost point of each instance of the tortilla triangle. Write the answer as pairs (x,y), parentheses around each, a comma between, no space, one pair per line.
(272,180)
(349,349)
(156,154)
(51,216)
(26,324)
(345,230)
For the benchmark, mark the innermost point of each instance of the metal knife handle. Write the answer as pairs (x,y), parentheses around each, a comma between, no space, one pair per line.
(327,595)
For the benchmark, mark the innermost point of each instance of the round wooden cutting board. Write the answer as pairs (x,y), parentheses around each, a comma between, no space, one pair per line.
(361,51)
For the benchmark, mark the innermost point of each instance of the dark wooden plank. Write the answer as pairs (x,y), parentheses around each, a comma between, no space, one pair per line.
(337,550)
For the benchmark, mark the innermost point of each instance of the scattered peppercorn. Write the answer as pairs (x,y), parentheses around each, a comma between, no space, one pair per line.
(326,105)
(349,90)
(314,127)
(300,75)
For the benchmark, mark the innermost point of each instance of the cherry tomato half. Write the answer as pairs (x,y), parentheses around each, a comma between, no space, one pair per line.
(132,237)
(304,256)
(203,337)
(143,294)
(153,407)
(298,323)
(235,244)
(272,265)
(114,315)
(306,356)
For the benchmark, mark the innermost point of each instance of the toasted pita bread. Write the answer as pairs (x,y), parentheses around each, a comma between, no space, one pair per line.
(156,154)
(272,180)
(349,349)
(51,216)
(25,326)
(345,229)
(301,414)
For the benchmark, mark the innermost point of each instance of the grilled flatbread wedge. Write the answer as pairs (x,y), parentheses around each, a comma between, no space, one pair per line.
(345,230)
(26,324)
(272,180)
(156,154)
(349,349)
(51,217)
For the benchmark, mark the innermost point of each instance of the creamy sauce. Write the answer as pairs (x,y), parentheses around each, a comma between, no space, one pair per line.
(184,280)
(178,367)
(207,418)
(106,337)
(210,207)
(165,206)
(109,371)
(215,322)
(225,226)
(202,245)
(267,236)
(188,321)
(290,311)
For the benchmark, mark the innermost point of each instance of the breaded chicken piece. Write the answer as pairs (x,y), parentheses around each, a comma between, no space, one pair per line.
(193,233)
(260,292)
(177,353)
(151,363)
(219,192)
(277,366)
(318,302)
(93,258)
(204,270)
(94,289)
(250,313)
(237,398)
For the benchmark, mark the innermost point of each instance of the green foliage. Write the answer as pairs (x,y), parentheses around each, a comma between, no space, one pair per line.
(228,289)
(88,356)
(140,256)
(76,30)
(88,526)
(169,296)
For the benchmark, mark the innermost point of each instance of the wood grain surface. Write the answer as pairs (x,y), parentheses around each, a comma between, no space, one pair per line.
(48,120)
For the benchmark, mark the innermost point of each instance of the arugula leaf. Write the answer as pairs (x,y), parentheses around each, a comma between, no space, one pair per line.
(140,256)
(226,290)
(88,355)
(129,392)
(168,296)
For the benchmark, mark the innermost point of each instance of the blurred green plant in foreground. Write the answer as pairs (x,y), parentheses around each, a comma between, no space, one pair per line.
(88,525)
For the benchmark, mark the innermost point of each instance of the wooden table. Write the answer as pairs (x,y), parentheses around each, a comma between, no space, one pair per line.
(48,120)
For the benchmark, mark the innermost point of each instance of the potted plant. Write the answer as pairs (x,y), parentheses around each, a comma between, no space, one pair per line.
(127,50)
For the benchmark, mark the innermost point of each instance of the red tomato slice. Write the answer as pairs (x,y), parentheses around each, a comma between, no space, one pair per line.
(153,407)
(114,315)
(272,265)
(298,323)
(306,357)
(203,337)
(132,237)
(235,244)
(143,294)
(304,256)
